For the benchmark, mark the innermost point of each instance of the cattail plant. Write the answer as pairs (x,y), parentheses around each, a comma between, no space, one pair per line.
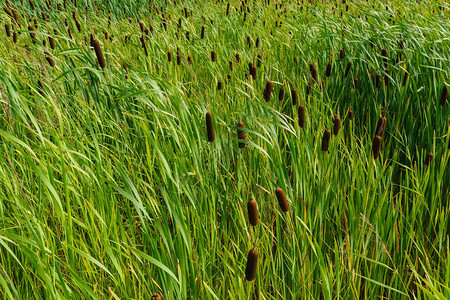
(268,91)
(253,72)
(405,78)
(50,60)
(252,263)
(376,146)
(428,159)
(444,95)
(8,31)
(210,128)
(385,58)
(328,70)
(213,56)
(252,210)
(326,140)
(281,94)
(282,201)
(241,135)
(98,51)
(301,116)
(219,85)
(294,97)
(313,71)
(337,124)
(349,65)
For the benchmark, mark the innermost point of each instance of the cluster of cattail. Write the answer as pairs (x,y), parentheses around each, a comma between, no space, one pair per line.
(98,52)
(268,91)
(241,135)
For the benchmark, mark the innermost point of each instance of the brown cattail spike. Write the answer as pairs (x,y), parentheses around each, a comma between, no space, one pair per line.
(350,115)
(337,124)
(253,72)
(98,52)
(294,97)
(444,95)
(386,77)
(384,55)
(202,33)
(210,128)
(219,85)
(313,71)
(282,201)
(8,31)
(428,159)
(376,146)
(241,135)
(268,91)
(281,94)
(50,61)
(405,78)
(156,297)
(252,212)
(169,56)
(328,70)
(342,54)
(326,140)
(349,65)
(301,116)
(252,263)
(213,56)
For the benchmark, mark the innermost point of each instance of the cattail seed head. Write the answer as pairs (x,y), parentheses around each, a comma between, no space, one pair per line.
(281,94)
(219,85)
(230,64)
(98,52)
(350,115)
(349,65)
(377,80)
(202,33)
(210,128)
(252,263)
(228,78)
(15,37)
(326,140)
(313,71)
(8,31)
(444,95)
(253,72)
(337,124)
(228,8)
(50,60)
(405,78)
(252,212)
(294,97)
(428,159)
(282,201)
(259,60)
(213,56)
(241,135)
(301,116)
(376,146)
(156,297)
(384,55)
(328,70)
(386,77)
(268,91)
(238,59)
(342,54)
(169,56)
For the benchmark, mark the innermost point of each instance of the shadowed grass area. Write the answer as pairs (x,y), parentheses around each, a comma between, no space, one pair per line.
(112,188)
